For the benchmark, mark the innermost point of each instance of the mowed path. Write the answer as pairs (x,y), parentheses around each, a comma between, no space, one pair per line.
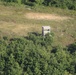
(45,16)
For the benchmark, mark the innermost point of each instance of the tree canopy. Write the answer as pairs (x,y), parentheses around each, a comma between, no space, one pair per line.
(35,55)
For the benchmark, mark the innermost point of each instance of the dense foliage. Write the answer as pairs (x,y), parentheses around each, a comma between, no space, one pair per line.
(70,4)
(35,55)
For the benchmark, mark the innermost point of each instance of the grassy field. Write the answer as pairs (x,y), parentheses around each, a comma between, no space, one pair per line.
(19,21)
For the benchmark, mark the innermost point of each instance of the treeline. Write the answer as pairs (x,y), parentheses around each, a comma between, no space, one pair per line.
(70,4)
(35,55)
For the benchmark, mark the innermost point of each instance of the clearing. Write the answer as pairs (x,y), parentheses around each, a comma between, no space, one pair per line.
(19,21)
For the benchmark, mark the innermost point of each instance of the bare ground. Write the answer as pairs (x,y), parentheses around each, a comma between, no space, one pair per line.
(44,16)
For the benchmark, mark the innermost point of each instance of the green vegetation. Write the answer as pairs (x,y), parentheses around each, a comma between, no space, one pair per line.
(31,54)
(35,55)
(71,4)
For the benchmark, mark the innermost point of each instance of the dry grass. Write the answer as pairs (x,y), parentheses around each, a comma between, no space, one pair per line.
(10,28)
(44,16)
(20,21)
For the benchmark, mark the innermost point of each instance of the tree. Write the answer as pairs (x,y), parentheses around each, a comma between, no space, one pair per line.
(72,48)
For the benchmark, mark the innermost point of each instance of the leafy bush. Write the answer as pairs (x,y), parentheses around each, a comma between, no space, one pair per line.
(70,4)
(35,55)
(72,48)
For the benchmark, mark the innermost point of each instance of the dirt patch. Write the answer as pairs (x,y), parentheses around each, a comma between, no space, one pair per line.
(17,29)
(24,29)
(20,29)
(43,16)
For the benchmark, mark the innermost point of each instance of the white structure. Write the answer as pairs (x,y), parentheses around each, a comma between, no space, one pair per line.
(45,30)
